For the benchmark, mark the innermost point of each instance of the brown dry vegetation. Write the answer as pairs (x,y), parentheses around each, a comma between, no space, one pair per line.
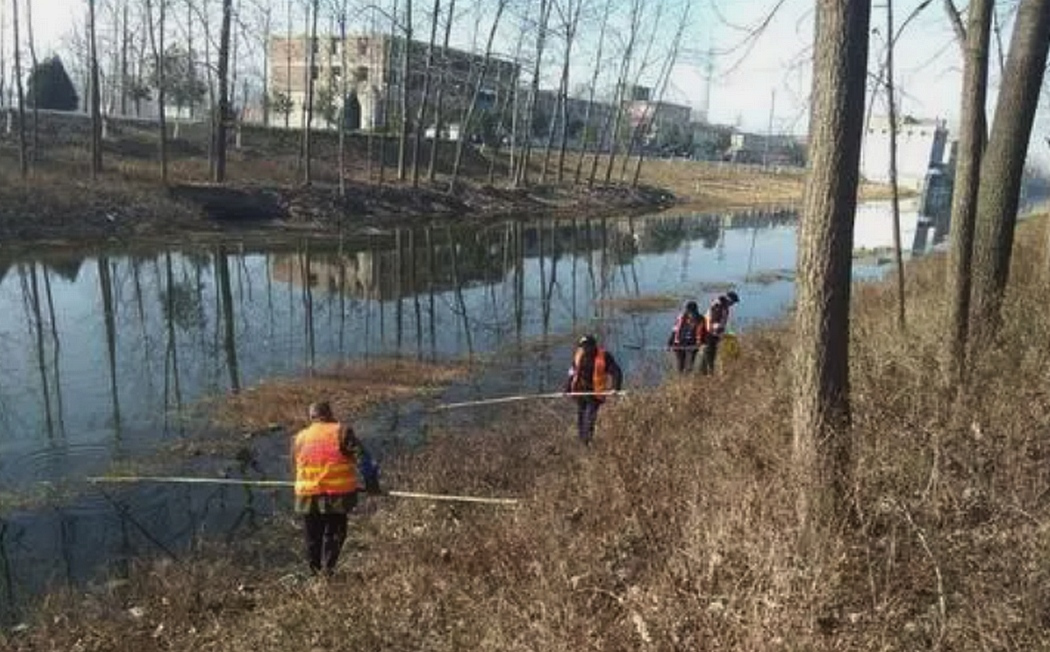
(677,530)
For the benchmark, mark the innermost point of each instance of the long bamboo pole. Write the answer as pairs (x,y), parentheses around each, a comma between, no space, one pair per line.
(137,479)
(526,397)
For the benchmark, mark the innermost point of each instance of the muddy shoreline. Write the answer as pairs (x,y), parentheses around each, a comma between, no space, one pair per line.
(39,218)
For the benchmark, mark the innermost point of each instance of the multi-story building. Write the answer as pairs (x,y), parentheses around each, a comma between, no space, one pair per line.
(921,144)
(373,79)
(660,124)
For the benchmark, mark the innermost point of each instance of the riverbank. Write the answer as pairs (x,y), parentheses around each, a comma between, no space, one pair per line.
(60,205)
(676,531)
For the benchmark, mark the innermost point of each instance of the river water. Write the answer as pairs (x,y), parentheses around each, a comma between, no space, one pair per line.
(101,352)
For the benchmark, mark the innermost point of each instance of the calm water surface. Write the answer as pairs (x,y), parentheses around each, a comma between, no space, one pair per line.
(100,354)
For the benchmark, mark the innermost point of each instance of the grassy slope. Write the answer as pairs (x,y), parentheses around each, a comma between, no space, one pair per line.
(677,529)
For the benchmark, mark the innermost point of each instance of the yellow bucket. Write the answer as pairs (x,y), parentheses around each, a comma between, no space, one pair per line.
(729,346)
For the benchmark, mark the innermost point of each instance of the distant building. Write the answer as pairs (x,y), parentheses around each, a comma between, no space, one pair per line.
(709,142)
(921,144)
(765,149)
(660,124)
(369,78)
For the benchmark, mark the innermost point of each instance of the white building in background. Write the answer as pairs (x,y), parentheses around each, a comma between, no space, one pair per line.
(920,145)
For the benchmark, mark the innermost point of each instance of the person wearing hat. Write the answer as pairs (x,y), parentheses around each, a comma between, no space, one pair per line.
(686,335)
(324,457)
(716,322)
(594,370)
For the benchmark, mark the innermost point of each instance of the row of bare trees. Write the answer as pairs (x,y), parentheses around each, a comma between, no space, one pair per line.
(984,213)
(178,55)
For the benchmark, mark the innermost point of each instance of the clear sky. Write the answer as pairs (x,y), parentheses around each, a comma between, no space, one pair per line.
(750,75)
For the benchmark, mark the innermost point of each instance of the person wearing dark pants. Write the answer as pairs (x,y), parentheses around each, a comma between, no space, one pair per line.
(593,371)
(717,319)
(686,336)
(326,484)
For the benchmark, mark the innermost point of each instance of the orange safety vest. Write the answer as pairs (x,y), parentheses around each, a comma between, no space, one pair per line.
(691,327)
(320,467)
(599,379)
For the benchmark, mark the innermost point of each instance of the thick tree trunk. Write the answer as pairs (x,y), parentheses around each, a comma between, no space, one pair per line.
(821,415)
(96,98)
(972,130)
(406,71)
(1002,166)
(468,115)
(439,100)
(307,135)
(422,115)
(23,162)
(223,111)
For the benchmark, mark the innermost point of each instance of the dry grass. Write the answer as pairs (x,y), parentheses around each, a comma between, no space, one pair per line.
(351,389)
(677,530)
(641,304)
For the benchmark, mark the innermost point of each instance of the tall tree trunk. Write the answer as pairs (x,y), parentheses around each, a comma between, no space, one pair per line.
(468,114)
(125,36)
(219,122)
(521,176)
(307,136)
(288,71)
(1002,167)
(591,92)
(156,39)
(895,200)
(266,81)
(616,113)
(662,80)
(3,57)
(406,68)
(23,163)
(634,133)
(343,90)
(388,91)
(821,417)
(439,100)
(570,38)
(972,130)
(96,98)
(422,114)
(33,61)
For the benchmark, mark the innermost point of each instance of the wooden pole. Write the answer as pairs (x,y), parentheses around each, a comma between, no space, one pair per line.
(132,479)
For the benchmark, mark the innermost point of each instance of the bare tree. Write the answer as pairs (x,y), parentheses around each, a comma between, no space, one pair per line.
(156,39)
(570,19)
(23,164)
(1002,167)
(96,97)
(663,80)
(468,114)
(591,92)
(972,130)
(36,93)
(219,122)
(3,56)
(616,113)
(895,200)
(344,75)
(307,136)
(521,175)
(821,417)
(438,102)
(388,90)
(267,21)
(421,115)
(406,67)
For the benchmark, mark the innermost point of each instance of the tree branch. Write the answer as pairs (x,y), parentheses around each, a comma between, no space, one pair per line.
(956,20)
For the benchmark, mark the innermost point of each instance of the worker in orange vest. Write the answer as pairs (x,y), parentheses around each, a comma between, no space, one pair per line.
(717,320)
(686,335)
(593,371)
(325,455)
